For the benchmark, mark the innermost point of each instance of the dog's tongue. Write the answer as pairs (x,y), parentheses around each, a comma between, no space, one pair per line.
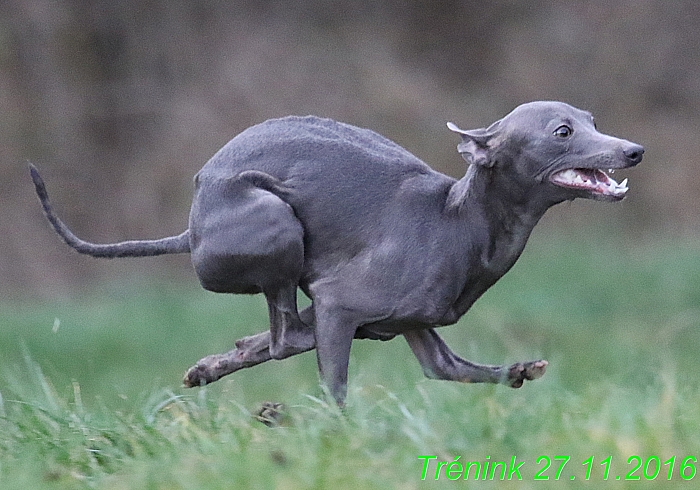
(594,180)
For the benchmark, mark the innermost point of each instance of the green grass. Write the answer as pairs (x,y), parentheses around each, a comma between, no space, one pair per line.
(91,397)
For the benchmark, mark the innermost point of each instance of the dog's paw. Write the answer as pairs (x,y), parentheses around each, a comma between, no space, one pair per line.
(204,372)
(195,376)
(521,371)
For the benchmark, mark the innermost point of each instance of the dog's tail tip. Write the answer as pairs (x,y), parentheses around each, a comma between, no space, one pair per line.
(40,187)
(34,172)
(36,178)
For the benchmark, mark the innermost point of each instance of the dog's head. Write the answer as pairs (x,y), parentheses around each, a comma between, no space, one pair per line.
(553,147)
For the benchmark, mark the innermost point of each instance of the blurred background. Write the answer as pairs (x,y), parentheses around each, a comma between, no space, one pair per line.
(120,103)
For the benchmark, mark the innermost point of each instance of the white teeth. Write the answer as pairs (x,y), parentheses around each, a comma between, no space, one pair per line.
(583,180)
(611,170)
(621,188)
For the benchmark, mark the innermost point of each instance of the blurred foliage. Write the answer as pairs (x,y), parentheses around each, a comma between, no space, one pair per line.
(120,103)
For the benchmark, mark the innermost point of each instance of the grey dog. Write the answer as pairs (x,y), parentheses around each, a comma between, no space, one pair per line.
(382,244)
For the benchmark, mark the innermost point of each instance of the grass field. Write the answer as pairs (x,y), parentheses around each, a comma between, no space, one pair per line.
(91,397)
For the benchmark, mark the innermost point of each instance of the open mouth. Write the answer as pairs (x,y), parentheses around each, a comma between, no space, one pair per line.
(592,180)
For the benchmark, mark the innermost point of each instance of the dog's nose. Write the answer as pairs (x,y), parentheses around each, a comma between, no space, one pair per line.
(634,153)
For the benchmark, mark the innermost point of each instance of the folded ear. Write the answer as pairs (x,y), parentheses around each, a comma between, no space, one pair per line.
(475,147)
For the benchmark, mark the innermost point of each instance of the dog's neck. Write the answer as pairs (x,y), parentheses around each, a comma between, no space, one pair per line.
(496,221)
(507,214)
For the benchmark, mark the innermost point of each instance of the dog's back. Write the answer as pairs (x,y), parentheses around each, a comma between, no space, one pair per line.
(344,183)
(299,147)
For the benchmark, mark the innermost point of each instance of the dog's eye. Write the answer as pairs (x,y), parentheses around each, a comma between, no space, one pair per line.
(563,131)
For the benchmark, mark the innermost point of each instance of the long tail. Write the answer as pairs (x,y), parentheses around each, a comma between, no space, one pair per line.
(134,248)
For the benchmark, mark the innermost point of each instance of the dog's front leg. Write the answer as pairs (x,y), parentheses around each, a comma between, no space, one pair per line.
(334,334)
(439,362)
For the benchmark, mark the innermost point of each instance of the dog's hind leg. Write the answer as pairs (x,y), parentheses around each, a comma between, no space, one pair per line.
(439,362)
(288,333)
(249,351)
